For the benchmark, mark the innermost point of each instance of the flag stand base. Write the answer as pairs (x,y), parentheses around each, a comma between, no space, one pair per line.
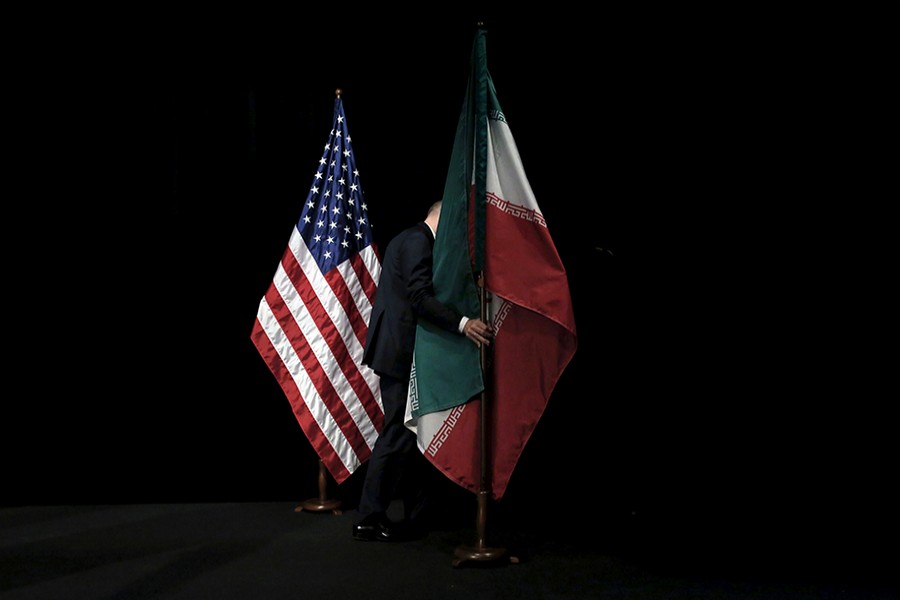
(480,552)
(322,503)
(319,505)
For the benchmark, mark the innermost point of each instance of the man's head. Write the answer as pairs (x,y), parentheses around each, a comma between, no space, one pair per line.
(434,215)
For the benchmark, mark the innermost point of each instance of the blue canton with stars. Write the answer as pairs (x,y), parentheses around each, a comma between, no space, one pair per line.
(334,222)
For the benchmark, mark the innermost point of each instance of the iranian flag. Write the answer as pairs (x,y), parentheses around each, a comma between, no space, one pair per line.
(491,228)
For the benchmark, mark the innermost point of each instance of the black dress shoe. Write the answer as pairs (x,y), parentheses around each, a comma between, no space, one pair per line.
(376,530)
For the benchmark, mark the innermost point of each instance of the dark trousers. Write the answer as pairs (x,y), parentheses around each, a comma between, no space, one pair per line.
(396,467)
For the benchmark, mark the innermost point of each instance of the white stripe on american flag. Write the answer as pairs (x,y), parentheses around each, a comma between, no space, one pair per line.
(343,409)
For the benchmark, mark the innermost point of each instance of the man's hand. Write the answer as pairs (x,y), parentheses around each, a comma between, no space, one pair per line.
(479,332)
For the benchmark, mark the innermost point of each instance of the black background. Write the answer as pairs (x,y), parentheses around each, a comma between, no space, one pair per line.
(158,163)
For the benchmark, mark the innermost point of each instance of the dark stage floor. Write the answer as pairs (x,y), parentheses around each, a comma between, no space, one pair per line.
(267,550)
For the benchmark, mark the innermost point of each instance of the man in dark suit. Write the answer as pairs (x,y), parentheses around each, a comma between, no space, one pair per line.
(405,294)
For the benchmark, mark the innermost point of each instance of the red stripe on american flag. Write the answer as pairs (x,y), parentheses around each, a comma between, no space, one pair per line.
(334,402)
(308,424)
(340,351)
(369,285)
(312,370)
(339,286)
(331,336)
(327,333)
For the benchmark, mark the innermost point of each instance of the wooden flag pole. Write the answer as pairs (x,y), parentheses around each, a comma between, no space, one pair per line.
(481,552)
(322,503)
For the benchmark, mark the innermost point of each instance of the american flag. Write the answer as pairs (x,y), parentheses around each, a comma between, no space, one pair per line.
(310,327)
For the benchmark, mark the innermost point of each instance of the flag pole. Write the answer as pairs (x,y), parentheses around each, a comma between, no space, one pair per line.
(322,503)
(478,115)
(481,552)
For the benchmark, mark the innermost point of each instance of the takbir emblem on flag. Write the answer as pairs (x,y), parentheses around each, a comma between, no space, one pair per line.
(311,324)
(491,218)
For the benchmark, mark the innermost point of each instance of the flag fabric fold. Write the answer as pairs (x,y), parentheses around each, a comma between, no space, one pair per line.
(310,326)
(491,216)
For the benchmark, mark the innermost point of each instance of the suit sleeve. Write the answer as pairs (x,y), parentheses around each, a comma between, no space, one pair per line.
(416,261)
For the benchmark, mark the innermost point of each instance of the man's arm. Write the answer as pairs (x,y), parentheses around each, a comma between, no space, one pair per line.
(416,263)
(417,258)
